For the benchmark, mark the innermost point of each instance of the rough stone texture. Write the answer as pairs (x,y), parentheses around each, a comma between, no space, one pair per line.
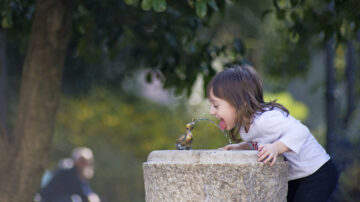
(212,175)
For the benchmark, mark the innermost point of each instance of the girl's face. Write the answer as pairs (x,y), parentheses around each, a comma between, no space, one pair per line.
(222,110)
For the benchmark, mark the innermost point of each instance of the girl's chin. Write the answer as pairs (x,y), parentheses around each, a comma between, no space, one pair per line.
(230,128)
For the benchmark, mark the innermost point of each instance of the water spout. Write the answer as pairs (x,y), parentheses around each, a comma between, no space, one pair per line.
(184,141)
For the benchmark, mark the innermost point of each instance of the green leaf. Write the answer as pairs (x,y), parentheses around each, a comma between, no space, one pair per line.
(129,2)
(294,37)
(201,8)
(6,22)
(159,5)
(146,4)
(212,4)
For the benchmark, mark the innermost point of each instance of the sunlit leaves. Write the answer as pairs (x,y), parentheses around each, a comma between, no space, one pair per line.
(6,14)
(157,5)
(129,2)
(201,8)
(16,14)
(6,21)
(326,18)
(297,109)
(213,5)
(146,4)
(133,125)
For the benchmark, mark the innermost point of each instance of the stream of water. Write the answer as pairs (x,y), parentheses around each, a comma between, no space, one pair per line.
(205,119)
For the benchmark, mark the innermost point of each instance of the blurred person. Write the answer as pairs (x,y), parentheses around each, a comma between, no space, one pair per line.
(70,182)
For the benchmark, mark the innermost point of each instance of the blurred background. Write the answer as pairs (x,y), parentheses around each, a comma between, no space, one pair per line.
(134,74)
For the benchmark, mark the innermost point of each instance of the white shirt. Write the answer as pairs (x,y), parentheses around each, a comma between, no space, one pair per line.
(306,155)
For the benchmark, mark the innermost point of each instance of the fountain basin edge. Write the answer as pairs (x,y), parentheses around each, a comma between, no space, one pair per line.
(213,175)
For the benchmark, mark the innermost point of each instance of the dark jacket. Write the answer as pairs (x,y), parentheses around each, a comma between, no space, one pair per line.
(65,186)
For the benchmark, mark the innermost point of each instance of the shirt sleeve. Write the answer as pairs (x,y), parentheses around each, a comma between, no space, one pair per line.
(295,136)
(275,126)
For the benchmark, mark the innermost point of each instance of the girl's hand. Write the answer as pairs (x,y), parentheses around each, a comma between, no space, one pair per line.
(239,146)
(268,152)
(229,147)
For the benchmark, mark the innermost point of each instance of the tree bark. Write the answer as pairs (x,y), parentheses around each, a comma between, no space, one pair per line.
(350,73)
(24,155)
(337,145)
(3,73)
(330,95)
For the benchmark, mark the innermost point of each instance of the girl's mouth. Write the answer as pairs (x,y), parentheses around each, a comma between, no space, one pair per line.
(222,124)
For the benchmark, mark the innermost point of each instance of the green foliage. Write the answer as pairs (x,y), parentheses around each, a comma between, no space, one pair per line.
(112,39)
(350,182)
(122,131)
(129,2)
(6,21)
(166,42)
(146,5)
(281,63)
(15,16)
(159,5)
(324,17)
(297,109)
(166,37)
(302,28)
(201,8)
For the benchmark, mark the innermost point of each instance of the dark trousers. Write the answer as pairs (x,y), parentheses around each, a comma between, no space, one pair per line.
(316,187)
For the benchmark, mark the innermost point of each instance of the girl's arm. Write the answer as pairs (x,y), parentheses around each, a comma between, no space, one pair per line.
(239,146)
(269,152)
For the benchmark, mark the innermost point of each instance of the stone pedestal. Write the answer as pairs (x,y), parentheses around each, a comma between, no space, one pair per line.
(212,175)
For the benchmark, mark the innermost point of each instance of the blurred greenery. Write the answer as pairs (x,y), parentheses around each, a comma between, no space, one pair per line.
(122,131)
(297,109)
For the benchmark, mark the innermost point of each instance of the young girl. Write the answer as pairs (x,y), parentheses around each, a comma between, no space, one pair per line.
(236,98)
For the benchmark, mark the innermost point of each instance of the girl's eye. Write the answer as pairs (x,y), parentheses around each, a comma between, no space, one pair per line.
(215,106)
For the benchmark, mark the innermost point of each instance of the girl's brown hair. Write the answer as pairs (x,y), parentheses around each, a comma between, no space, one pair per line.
(241,87)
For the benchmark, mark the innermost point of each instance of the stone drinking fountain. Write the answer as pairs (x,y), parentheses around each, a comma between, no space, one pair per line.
(212,175)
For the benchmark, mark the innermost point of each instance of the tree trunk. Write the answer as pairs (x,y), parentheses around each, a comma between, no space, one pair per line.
(3,73)
(24,155)
(350,82)
(337,144)
(330,96)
